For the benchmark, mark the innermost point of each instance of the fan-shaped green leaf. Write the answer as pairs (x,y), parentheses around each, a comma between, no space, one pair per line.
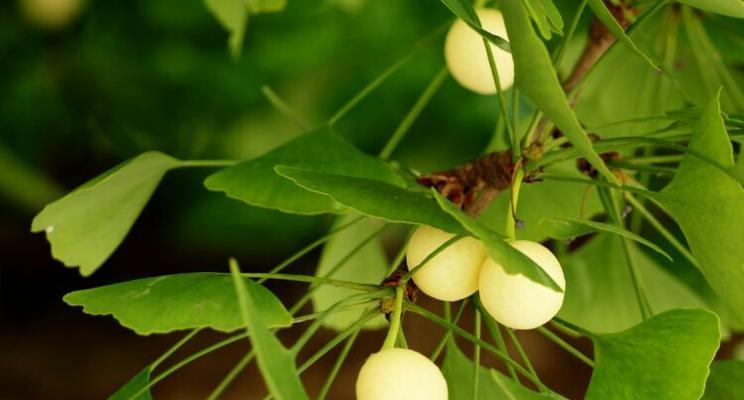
(665,357)
(255,182)
(276,363)
(708,205)
(374,198)
(174,302)
(726,381)
(87,225)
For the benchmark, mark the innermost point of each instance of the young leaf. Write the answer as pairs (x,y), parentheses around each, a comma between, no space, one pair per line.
(731,8)
(85,226)
(374,198)
(174,302)
(256,183)
(368,265)
(726,381)
(601,299)
(537,79)
(134,386)
(464,10)
(276,363)
(608,20)
(233,16)
(513,260)
(665,357)
(546,16)
(458,371)
(569,228)
(708,205)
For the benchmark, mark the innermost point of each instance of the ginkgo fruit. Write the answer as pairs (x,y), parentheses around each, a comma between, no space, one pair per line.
(467,59)
(400,374)
(450,275)
(516,301)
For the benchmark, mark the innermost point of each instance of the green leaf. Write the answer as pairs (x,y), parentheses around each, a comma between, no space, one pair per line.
(665,357)
(537,79)
(463,9)
(726,381)
(458,371)
(276,363)
(255,182)
(569,228)
(601,297)
(368,265)
(708,205)
(85,226)
(233,16)
(374,198)
(608,20)
(133,387)
(513,260)
(731,8)
(174,302)
(546,16)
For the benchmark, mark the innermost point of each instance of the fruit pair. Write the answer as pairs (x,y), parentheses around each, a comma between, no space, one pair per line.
(464,267)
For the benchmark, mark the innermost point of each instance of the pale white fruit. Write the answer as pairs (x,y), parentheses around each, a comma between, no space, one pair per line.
(51,14)
(515,300)
(453,273)
(467,58)
(400,374)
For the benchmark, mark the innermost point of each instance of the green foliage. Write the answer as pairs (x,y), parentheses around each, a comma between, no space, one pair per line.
(255,182)
(131,388)
(88,224)
(174,302)
(664,357)
(276,363)
(368,265)
(513,260)
(546,16)
(726,381)
(570,228)
(732,8)
(458,370)
(373,198)
(709,207)
(600,297)
(464,10)
(537,79)
(599,8)
(233,16)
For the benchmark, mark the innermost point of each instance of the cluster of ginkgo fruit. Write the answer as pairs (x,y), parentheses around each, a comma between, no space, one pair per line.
(455,273)
(463,268)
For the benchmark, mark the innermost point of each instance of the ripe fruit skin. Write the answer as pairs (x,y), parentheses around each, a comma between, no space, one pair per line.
(516,301)
(466,55)
(400,374)
(453,273)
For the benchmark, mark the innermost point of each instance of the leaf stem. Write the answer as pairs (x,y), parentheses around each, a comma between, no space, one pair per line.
(337,365)
(284,108)
(312,279)
(231,375)
(392,333)
(206,163)
(448,333)
(476,352)
(404,126)
(513,337)
(565,346)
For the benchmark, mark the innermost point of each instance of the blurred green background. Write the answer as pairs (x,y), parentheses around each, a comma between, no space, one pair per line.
(114,79)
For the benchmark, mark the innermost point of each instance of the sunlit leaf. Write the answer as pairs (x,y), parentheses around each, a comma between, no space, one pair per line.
(708,205)
(458,371)
(726,381)
(569,228)
(599,8)
(255,182)
(664,357)
(537,79)
(732,8)
(465,11)
(174,302)
(88,224)
(276,363)
(513,260)
(368,265)
(602,299)
(374,198)
(546,16)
